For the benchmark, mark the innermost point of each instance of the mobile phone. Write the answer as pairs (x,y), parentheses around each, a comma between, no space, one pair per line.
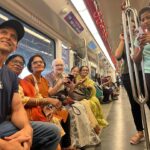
(70,77)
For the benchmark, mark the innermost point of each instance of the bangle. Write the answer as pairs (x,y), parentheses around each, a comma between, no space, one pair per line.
(41,101)
(37,101)
(44,101)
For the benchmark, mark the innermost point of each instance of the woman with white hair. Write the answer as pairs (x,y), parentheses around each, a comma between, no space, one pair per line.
(82,130)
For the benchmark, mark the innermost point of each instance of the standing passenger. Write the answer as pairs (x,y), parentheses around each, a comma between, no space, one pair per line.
(135,107)
(142,43)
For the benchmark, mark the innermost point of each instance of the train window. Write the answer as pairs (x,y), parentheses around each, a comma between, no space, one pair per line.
(33,42)
(93,73)
(66,58)
(77,60)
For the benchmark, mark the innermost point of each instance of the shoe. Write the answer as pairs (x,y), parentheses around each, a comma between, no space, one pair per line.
(137,138)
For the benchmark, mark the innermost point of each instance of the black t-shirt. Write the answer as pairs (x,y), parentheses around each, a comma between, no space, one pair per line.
(8,87)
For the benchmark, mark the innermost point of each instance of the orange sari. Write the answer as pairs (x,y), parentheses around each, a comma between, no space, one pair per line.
(43,90)
(34,113)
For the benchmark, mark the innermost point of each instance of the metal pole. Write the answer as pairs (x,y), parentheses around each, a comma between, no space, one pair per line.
(138,96)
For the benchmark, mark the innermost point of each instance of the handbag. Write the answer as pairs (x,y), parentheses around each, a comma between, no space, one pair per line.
(80,93)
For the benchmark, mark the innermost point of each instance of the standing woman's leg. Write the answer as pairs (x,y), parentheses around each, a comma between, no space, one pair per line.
(135,107)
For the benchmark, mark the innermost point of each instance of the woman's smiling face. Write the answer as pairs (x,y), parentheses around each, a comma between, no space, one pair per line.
(37,65)
(84,71)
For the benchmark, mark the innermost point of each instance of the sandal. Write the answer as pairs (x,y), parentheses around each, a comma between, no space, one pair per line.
(137,138)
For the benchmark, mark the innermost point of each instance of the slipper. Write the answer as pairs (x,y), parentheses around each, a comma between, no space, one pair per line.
(137,138)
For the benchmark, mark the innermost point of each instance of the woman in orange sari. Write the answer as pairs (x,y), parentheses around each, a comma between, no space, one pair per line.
(36,66)
(32,103)
(30,97)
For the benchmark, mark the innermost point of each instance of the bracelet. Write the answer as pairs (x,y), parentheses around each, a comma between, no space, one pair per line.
(44,101)
(37,101)
(41,101)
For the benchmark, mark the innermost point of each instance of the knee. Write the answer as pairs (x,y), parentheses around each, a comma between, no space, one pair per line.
(46,130)
(55,129)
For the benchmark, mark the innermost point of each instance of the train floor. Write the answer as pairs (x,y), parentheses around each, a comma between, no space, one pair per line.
(121,127)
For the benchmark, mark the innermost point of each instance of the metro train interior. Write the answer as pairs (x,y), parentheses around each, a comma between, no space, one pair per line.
(83,33)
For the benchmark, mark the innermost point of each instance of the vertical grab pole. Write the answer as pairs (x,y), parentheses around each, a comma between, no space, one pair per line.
(138,96)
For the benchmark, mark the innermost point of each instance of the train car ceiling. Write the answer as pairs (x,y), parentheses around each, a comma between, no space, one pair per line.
(111,11)
(41,16)
(85,14)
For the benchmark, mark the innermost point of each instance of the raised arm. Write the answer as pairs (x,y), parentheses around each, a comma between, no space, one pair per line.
(120,48)
(137,57)
(140,43)
(53,90)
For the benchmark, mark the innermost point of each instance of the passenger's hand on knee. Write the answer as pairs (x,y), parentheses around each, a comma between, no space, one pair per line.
(11,145)
(22,136)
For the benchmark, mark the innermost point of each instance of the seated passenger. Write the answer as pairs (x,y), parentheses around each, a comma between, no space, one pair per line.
(15,129)
(107,91)
(32,103)
(80,124)
(57,80)
(36,65)
(86,113)
(75,73)
(94,123)
(94,102)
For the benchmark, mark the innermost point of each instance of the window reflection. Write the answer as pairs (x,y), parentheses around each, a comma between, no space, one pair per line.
(33,42)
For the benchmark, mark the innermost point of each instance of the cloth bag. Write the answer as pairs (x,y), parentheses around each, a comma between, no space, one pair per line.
(80,93)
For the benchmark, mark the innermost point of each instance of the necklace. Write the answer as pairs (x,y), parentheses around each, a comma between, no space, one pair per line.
(39,80)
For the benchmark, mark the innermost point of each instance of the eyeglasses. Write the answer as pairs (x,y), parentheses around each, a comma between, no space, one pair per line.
(59,65)
(37,62)
(85,70)
(16,62)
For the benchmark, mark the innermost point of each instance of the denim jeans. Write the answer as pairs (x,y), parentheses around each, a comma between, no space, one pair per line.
(46,136)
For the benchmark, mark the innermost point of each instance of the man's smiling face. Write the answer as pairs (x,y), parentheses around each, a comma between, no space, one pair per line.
(8,40)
